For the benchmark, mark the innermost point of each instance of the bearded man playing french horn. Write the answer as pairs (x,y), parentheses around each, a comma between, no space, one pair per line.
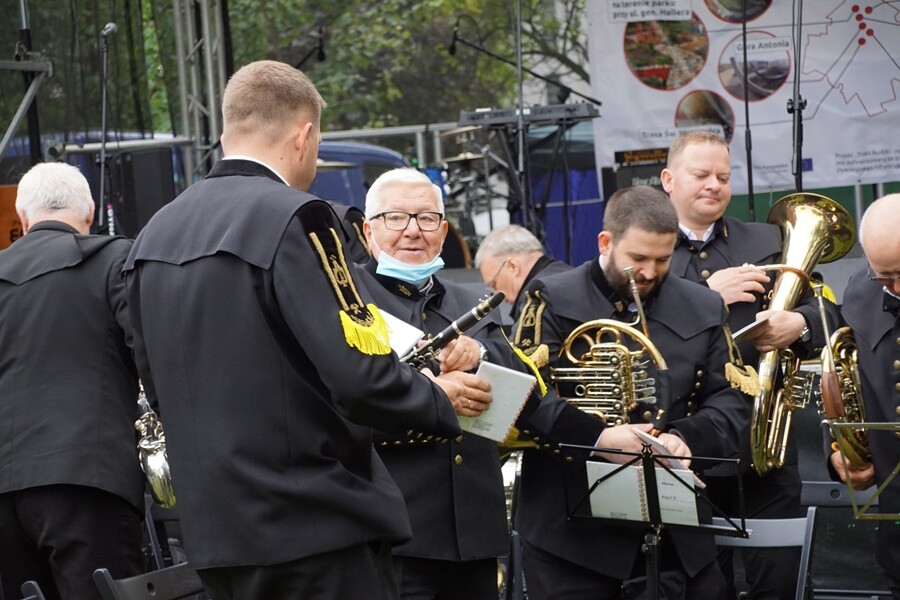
(568,560)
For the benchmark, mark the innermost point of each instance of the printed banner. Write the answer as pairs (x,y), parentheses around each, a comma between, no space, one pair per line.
(661,67)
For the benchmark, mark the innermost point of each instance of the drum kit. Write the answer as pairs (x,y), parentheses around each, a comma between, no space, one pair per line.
(472,185)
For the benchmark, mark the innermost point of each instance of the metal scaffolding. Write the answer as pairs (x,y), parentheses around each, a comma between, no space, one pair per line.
(200,47)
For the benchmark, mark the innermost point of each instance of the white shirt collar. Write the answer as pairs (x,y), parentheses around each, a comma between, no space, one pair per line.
(693,237)
(257,161)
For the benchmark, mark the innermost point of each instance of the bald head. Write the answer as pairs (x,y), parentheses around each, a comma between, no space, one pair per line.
(878,235)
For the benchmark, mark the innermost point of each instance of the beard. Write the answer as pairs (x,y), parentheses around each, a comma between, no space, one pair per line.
(619,281)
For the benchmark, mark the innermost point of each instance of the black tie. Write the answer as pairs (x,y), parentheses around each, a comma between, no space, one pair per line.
(891,304)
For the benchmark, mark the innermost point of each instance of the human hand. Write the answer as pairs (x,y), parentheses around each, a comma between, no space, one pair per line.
(469,394)
(676,447)
(738,284)
(621,437)
(782,329)
(857,478)
(462,354)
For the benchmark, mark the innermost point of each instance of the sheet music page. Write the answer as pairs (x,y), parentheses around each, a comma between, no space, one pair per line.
(619,497)
(401,335)
(677,503)
(623,495)
(510,390)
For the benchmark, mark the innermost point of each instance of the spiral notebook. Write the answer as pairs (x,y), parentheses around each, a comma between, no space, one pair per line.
(623,494)
(510,390)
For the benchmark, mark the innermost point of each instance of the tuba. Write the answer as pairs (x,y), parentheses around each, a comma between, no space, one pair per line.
(152,453)
(609,379)
(814,229)
(841,399)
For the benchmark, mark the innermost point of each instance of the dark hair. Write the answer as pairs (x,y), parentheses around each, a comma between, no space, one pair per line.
(641,206)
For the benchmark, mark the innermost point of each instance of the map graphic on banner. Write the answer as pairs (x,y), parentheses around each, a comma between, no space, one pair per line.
(661,67)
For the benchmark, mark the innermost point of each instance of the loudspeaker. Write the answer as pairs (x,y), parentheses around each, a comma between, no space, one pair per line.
(141,182)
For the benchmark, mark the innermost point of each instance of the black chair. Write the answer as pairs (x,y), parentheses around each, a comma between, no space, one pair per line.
(172,583)
(32,591)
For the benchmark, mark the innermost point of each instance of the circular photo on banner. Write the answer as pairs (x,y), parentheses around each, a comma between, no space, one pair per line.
(767,69)
(732,11)
(705,108)
(666,55)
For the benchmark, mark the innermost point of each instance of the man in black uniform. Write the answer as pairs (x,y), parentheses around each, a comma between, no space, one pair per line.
(508,258)
(724,253)
(71,488)
(453,488)
(270,365)
(872,310)
(578,560)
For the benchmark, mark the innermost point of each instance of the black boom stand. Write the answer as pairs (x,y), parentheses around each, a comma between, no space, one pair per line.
(104,203)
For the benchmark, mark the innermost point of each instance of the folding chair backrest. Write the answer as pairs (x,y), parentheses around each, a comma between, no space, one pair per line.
(778,533)
(172,583)
(32,591)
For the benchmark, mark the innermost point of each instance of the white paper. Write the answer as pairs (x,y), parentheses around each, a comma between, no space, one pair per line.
(401,335)
(738,335)
(510,390)
(623,495)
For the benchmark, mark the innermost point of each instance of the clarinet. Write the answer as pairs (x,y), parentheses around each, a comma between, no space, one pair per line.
(418,357)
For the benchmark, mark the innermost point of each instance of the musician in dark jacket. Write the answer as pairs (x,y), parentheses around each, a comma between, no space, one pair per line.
(71,488)
(508,258)
(871,309)
(453,487)
(576,559)
(724,254)
(270,365)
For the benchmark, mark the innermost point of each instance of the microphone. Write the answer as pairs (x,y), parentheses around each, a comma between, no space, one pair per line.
(452,47)
(109,29)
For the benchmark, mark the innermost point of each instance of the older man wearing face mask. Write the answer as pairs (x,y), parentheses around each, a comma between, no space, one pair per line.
(453,488)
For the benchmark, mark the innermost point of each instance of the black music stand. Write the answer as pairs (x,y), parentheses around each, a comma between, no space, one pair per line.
(654,521)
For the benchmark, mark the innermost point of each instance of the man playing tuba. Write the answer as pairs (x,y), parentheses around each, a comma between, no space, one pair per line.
(705,415)
(722,253)
(870,308)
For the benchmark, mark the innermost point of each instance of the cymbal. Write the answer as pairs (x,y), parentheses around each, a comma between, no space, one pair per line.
(460,130)
(465,156)
(333,165)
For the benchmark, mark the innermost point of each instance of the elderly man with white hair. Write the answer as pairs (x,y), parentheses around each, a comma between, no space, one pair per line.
(71,489)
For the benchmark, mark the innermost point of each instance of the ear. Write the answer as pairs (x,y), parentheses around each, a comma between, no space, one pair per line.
(301,140)
(604,242)
(666,178)
(514,265)
(367,231)
(26,225)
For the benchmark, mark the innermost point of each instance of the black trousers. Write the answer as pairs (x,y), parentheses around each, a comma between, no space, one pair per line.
(360,572)
(428,579)
(550,577)
(771,573)
(58,535)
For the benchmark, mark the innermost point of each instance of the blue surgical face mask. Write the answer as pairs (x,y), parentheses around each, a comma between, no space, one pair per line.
(417,275)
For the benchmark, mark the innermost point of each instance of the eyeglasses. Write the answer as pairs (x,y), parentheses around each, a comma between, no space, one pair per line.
(492,284)
(398,221)
(882,279)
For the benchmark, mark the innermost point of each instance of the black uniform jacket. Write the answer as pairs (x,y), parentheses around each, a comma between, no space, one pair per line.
(735,243)
(877,334)
(453,488)
(243,296)
(68,384)
(543,267)
(685,324)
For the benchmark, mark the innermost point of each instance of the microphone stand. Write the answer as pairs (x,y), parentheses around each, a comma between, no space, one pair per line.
(104,83)
(34,131)
(796,104)
(318,49)
(748,142)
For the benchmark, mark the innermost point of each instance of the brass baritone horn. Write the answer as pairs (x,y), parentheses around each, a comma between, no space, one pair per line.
(152,454)
(814,229)
(842,400)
